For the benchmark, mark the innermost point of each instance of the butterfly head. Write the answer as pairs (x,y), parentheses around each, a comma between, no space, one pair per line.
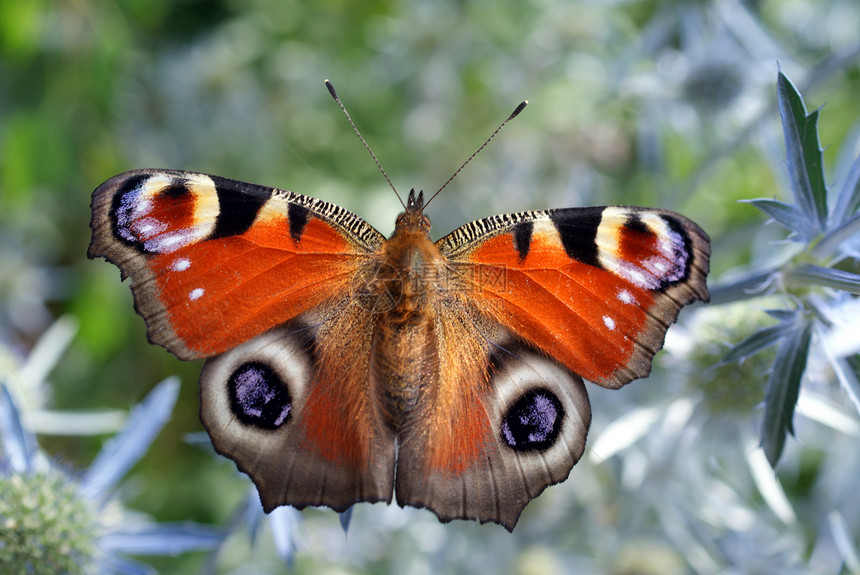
(413,218)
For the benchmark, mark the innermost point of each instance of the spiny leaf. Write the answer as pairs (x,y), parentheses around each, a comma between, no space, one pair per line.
(758,341)
(847,370)
(122,451)
(839,233)
(827,277)
(787,215)
(783,389)
(848,200)
(162,538)
(783,315)
(16,441)
(803,154)
(346,519)
(741,288)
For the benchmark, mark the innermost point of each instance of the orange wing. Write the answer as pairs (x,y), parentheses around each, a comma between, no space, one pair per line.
(258,280)
(595,288)
(536,301)
(214,262)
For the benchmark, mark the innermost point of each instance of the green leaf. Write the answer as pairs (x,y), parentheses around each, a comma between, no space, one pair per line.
(787,215)
(783,389)
(803,154)
(758,341)
(848,200)
(827,277)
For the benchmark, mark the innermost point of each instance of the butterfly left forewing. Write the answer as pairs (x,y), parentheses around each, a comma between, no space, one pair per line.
(214,262)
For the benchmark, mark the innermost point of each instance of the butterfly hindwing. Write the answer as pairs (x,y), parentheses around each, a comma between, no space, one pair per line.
(214,262)
(502,423)
(292,408)
(596,288)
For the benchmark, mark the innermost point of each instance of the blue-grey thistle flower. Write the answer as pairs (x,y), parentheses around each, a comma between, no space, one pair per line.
(52,522)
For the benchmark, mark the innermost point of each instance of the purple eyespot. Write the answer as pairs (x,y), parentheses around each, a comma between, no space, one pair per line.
(533,422)
(258,396)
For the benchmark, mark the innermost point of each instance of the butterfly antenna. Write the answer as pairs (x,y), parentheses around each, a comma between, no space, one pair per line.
(363,141)
(513,115)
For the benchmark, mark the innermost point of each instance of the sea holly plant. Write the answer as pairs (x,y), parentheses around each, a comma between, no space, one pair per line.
(818,279)
(56,522)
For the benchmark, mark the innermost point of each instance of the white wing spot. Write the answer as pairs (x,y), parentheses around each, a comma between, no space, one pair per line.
(626,297)
(196,293)
(636,276)
(147,227)
(609,322)
(181,264)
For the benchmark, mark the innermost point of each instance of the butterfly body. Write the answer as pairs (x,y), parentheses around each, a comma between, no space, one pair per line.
(404,297)
(343,366)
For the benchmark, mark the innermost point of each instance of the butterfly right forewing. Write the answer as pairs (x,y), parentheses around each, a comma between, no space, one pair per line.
(596,288)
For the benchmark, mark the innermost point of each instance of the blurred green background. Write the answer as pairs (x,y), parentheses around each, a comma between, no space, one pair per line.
(664,104)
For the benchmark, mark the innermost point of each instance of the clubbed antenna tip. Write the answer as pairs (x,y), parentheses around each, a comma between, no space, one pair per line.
(331,90)
(513,115)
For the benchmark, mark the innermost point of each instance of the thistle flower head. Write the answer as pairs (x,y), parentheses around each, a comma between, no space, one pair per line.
(52,523)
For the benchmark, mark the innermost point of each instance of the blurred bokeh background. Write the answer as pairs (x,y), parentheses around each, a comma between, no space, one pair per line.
(666,104)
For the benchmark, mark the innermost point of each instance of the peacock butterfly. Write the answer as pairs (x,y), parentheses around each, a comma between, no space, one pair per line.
(342,366)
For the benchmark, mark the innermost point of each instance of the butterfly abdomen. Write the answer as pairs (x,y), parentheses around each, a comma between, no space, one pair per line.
(403,365)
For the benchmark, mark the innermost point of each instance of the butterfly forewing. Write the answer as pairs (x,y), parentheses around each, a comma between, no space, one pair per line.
(214,262)
(595,288)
